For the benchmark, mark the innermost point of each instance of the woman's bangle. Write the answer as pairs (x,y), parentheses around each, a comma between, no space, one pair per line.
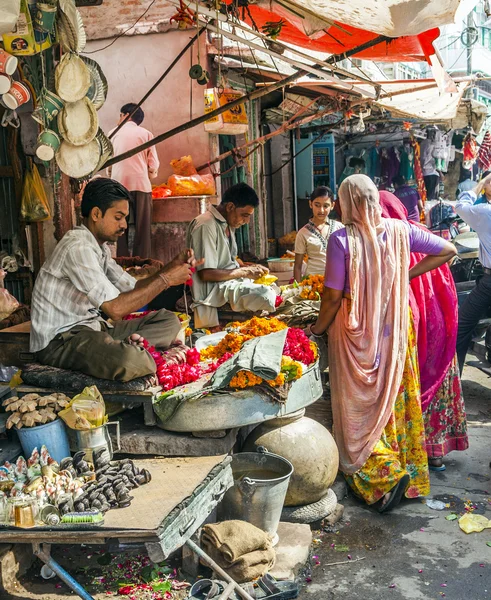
(315,334)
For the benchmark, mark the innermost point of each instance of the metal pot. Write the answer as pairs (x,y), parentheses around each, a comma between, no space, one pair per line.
(91,440)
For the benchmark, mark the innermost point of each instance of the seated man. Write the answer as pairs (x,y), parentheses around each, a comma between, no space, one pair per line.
(80,282)
(221,278)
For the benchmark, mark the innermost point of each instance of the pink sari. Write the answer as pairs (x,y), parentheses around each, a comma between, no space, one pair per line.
(435,310)
(368,338)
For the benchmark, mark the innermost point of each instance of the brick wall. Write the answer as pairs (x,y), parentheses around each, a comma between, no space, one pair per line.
(115,16)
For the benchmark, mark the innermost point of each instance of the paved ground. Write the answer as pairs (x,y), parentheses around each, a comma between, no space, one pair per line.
(414,552)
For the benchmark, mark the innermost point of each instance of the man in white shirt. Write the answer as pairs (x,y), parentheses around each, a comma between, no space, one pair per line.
(135,174)
(478,216)
(80,283)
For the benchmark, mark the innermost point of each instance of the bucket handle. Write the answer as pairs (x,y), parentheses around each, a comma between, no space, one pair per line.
(118,434)
(247,487)
(262,450)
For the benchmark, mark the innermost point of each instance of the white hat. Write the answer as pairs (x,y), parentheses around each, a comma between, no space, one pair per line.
(78,122)
(72,78)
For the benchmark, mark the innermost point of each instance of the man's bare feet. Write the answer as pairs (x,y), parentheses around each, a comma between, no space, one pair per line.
(136,339)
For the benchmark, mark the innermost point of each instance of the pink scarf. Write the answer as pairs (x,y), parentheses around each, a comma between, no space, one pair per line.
(368,337)
(436,307)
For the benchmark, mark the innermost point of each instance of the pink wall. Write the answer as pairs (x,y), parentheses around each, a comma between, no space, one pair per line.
(132,65)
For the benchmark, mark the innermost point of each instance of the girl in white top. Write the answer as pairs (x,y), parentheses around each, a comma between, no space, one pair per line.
(312,238)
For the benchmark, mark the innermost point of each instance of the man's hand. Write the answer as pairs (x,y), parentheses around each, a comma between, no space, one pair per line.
(187,256)
(177,274)
(254,272)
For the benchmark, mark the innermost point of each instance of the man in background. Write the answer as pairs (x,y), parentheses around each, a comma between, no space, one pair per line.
(409,197)
(135,174)
(428,164)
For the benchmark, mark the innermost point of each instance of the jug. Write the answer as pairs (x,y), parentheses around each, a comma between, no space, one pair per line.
(93,439)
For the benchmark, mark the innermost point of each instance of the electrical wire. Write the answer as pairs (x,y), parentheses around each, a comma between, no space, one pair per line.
(457,60)
(123,32)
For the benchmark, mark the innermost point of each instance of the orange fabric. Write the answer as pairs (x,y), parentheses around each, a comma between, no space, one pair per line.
(369,336)
(407,48)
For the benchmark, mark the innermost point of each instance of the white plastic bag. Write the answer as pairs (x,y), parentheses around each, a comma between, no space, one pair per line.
(7,302)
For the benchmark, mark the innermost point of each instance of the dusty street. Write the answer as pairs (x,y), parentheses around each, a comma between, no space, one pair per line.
(414,552)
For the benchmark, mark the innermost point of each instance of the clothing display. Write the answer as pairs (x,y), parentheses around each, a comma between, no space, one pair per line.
(410,198)
(312,241)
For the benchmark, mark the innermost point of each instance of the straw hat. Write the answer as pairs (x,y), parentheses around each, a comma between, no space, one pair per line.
(72,78)
(78,122)
(79,161)
(98,87)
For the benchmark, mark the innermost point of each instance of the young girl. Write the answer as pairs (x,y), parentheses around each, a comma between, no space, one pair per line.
(312,238)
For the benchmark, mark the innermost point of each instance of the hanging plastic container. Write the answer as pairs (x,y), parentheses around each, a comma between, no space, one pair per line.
(233,121)
(260,484)
(53,435)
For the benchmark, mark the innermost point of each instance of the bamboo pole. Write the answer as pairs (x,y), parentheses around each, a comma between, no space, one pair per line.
(246,98)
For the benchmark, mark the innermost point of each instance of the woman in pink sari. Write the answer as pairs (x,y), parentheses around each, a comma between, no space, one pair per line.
(433,301)
(373,369)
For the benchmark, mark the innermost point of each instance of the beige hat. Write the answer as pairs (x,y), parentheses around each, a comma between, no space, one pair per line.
(79,161)
(78,122)
(72,78)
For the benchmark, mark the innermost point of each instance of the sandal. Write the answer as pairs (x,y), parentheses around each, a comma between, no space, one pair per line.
(436,464)
(206,589)
(396,494)
(281,590)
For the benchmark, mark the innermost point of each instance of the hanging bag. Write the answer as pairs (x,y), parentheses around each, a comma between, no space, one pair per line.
(34,205)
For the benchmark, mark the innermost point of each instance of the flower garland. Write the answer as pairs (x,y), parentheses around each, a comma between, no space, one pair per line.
(312,287)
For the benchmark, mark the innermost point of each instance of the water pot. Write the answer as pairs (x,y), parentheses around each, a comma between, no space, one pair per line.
(93,439)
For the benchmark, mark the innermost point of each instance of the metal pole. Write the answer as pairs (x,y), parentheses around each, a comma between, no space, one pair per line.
(246,98)
(212,564)
(470,23)
(45,556)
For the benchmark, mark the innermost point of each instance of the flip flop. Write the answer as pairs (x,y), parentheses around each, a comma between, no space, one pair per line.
(395,495)
(277,590)
(438,468)
(206,589)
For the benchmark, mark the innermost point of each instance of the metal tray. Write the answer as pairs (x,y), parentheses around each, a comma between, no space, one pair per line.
(243,407)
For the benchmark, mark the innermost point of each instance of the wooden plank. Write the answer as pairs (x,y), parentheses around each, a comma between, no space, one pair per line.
(24,328)
(6,171)
(174,480)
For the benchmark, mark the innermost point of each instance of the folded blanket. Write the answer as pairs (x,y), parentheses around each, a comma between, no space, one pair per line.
(233,539)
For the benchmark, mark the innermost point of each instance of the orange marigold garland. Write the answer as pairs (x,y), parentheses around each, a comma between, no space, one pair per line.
(312,287)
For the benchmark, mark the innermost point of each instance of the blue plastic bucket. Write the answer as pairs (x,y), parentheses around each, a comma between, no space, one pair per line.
(53,435)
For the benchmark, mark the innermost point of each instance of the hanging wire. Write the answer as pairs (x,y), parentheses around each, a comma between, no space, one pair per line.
(123,32)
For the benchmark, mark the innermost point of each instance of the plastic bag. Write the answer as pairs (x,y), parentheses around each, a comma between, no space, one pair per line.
(183,166)
(85,411)
(161,191)
(7,302)
(194,185)
(34,205)
(472,523)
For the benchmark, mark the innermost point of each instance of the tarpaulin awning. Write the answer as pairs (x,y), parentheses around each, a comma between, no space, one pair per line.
(393,18)
(339,37)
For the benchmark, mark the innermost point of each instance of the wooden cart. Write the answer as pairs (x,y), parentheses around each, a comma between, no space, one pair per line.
(163,515)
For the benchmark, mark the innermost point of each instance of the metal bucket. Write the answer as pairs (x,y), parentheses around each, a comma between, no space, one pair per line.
(260,484)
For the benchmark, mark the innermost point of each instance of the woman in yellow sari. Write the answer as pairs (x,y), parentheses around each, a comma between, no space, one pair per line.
(373,369)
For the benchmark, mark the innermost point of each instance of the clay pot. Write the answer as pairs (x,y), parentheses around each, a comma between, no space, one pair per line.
(308,446)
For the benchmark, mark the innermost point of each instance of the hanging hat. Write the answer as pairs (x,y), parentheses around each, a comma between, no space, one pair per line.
(79,161)
(98,87)
(70,27)
(78,122)
(72,78)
